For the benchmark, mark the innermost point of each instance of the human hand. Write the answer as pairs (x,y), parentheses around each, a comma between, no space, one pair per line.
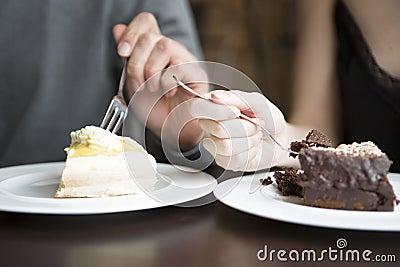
(149,53)
(238,144)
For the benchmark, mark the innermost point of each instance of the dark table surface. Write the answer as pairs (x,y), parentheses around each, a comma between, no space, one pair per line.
(210,235)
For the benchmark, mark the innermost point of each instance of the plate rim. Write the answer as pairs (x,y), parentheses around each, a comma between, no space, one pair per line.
(244,205)
(46,167)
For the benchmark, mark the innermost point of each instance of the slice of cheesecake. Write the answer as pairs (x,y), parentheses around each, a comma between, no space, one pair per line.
(97,165)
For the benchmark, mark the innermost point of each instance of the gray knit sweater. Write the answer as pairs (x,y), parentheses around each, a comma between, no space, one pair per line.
(59,67)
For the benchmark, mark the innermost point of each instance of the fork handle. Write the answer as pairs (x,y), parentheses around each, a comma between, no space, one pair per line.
(123,77)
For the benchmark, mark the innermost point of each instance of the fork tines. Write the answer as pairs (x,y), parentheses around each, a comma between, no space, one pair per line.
(114,116)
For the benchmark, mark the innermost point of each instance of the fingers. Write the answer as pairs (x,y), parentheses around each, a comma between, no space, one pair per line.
(231,146)
(234,143)
(149,51)
(248,103)
(232,99)
(258,157)
(118,31)
(170,53)
(160,56)
(138,59)
(254,105)
(158,60)
(229,128)
(189,73)
(240,162)
(142,23)
(203,109)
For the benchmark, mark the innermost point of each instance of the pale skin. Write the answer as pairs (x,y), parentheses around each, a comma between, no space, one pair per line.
(149,52)
(316,99)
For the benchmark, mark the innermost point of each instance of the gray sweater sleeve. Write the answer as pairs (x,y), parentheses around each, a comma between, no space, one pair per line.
(66,76)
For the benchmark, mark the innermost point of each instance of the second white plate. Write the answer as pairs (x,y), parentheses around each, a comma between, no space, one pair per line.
(267,202)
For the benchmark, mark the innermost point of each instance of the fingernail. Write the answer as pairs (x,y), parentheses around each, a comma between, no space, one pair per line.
(124,49)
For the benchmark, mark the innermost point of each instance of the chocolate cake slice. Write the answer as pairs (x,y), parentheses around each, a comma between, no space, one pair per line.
(288,182)
(314,138)
(351,177)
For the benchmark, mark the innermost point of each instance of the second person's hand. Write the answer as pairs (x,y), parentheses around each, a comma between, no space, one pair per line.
(238,144)
(149,53)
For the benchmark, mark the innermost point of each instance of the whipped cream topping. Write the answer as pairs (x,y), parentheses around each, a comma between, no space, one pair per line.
(99,139)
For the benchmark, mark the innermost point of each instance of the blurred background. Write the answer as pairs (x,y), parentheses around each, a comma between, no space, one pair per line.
(257,37)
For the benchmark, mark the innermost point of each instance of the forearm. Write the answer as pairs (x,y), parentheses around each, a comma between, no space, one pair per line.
(315,97)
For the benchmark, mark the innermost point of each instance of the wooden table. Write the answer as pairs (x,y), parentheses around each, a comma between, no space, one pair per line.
(210,235)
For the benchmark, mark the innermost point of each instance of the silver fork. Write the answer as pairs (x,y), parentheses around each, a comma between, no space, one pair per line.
(117,110)
(242,116)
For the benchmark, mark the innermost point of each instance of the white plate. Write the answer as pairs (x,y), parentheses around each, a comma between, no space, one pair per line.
(267,202)
(30,189)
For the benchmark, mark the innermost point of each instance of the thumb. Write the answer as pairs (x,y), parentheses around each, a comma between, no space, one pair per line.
(117,31)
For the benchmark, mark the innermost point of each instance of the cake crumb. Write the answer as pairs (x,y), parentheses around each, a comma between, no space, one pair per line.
(266,181)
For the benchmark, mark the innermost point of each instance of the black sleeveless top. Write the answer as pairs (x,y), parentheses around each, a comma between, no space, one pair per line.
(370,97)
